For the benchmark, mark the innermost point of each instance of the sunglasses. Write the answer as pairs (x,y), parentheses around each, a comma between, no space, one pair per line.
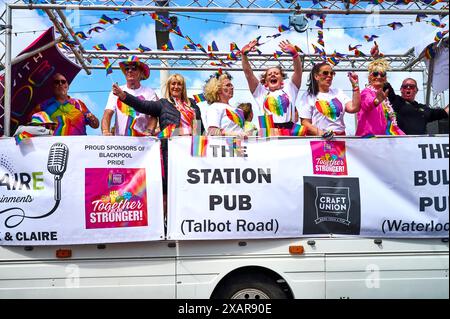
(59,82)
(378,74)
(409,86)
(327,73)
(131,68)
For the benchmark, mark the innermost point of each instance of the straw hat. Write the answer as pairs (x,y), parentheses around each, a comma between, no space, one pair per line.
(134,60)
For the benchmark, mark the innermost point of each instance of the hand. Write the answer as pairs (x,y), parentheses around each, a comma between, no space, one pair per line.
(328,135)
(382,95)
(117,91)
(249,47)
(354,79)
(375,51)
(106,133)
(288,48)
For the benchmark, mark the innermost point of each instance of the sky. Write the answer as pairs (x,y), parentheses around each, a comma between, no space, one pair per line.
(94,89)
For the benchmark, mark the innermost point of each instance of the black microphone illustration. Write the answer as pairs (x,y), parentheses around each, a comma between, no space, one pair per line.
(57,164)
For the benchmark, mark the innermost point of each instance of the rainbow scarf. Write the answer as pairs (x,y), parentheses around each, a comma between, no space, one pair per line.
(236,116)
(199,145)
(20,137)
(266,125)
(277,105)
(391,122)
(331,110)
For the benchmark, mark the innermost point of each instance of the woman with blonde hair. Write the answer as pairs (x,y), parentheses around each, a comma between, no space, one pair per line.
(376,116)
(222,118)
(174,109)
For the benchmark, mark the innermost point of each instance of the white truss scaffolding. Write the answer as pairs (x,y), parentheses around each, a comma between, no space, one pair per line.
(174,60)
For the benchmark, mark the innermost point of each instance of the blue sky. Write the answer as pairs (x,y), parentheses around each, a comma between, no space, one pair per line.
(94,89)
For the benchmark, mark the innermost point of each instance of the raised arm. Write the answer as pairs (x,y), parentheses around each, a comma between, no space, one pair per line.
(355,105)
(152,108)
(252,80)
(290,49)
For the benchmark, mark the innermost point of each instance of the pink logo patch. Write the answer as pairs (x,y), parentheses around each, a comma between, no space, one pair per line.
(329,157)
(115,197)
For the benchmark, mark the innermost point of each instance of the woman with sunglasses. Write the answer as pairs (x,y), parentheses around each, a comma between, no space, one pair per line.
(70,114)
(222,118)
(272,92)
(322,108)
(376,116)
(174,110)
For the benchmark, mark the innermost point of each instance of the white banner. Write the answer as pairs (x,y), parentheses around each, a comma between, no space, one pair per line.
(294,187)
(80,189)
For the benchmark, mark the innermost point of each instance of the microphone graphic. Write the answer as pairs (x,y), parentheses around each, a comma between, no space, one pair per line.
(57,164)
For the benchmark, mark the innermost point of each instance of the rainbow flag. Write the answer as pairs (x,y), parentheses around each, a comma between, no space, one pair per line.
(282,28)
(168,46)
(395,25)
(96,29)
(232,56)
(298,130)
(142,48)
(277,54)
(104,19)
(370,38)
(99,47)
(213,47)
(236,116)
(168,131)
(438,37)
(319,24)
(20,137)
(190,46)
(199,98)
(177,31)
(199,145)
(429,52)
(120,46)
(81,35)
(107,65)
(127,11)
(420,17)
(265,124)
(233,46)
(332,60)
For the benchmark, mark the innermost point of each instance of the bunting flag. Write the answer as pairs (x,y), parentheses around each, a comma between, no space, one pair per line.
(274,35)
(199,98)
(142,48)
(338,55)
(282,28)
(297,48)
(190,46)
(277,54)
(233,46)
(107,65)
(96,29)
(377,1)
(199,145)
(213,47)
(236,116)
(266,125)
(429,52)
(127,11)
(370,38)
(359,53)
(320,38)
(298,130)
(81,35)
(63,46)
(120,46)
(168,131)
(232,56)
(351,48)
(177,31)
(168,46)
(395,25)
(104,19)
(100,47)
(22,136)
(437,23)
(332,60)
(201,48)
(70,43)
(420,17)
(189,40)
(319,23)
(438,37)
(161,19)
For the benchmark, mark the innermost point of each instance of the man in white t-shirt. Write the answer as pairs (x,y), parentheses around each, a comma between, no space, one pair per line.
(129,122)
(273,94)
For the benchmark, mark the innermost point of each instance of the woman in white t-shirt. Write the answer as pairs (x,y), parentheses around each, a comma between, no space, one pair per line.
(222,118)
(273,94)
(322,108)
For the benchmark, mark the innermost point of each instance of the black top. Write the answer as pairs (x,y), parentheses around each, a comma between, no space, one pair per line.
(412,117)
(163,109)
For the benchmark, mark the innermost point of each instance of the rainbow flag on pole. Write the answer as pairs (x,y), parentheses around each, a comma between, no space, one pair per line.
(266,125)
(199,145)
(20,137)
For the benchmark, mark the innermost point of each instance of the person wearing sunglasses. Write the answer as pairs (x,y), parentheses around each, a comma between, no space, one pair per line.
(128,121)
(377,116)
(322,108)
(273,94)
(412,117)
(70,114)
(222,118)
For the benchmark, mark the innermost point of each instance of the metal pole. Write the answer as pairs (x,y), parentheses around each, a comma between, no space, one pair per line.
(162,37)
(8,77)
(430,80)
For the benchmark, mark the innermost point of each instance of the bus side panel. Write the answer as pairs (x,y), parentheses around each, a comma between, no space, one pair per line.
(422,275)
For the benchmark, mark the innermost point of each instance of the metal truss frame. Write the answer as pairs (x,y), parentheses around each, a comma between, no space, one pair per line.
(161,60)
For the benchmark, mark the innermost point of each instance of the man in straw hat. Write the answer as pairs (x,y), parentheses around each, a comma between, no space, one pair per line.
(40,124)
(128,121)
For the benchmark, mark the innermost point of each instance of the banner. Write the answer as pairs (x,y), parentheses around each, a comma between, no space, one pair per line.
(31,79)
(79,190)
(309,187)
